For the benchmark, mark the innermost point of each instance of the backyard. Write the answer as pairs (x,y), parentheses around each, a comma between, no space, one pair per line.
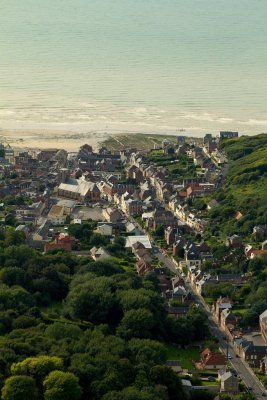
(184,356)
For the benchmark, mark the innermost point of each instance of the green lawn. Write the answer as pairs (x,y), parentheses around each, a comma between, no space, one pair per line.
(240,311)
(208,383)
(209,300)
(185,356)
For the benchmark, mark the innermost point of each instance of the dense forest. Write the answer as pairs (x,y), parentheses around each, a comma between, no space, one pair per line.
(73,329)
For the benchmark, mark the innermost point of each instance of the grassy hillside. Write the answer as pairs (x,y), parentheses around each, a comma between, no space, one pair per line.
(245,188)
(139,141)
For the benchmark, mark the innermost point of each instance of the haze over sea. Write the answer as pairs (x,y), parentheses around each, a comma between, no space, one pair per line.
(134,66)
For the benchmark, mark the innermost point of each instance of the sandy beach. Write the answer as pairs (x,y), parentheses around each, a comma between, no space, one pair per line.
(35,139)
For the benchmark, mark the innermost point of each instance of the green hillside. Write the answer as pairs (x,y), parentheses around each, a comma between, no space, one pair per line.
(245,187)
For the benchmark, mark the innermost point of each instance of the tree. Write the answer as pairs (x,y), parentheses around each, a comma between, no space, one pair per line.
(136,323)
(201,395)
(13,237)
(165,376)
(100,268)
(147,351)
(91,298)
(59,331)
(134,299)
(60,385)
(15,298)
(38,367)
(19,388)
(176,329)
(12,276)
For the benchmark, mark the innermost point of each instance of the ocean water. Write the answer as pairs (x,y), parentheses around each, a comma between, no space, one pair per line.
(134,66)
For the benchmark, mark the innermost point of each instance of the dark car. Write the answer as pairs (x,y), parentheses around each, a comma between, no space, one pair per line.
(211,379)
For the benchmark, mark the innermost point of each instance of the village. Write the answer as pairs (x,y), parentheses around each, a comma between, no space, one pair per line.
(154,200)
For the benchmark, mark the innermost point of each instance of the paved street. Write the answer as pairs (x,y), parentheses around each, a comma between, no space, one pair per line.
(242,369)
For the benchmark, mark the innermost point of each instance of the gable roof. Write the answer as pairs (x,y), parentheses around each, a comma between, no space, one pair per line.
(227,375)
(143,239)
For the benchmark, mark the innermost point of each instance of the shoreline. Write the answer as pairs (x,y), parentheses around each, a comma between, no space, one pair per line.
(71,141)
(44,139)
(33,139)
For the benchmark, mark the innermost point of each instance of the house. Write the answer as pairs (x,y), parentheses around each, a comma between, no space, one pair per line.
(178,293)
(99,253)
(234,241)
(212,204)
(41,233)
(162,217)
(142,267)
(228,135)
(112,214)
(132,207)
(238,216)
(132,229)
(222,303)
(33,210)
(257,253)
(63,241)
(77,221)
(177,281)
(104,229)
(134,172)
(263,325)
(228,320)
(248,250)
(199,189)
(229,383)
(251,353)
(260,232)
(141,252)
(143,239)
(164,282)
(192,255)
(109,189)
(56,215)
(211,360)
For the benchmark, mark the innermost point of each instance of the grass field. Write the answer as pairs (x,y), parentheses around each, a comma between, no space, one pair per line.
(184,356)
(139,141)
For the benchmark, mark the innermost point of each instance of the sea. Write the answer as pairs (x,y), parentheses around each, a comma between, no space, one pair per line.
(152,66)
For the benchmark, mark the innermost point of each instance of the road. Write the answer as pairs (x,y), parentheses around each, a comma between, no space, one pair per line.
(241,368)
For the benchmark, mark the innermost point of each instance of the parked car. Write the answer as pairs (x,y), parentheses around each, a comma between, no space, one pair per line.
(211,379)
